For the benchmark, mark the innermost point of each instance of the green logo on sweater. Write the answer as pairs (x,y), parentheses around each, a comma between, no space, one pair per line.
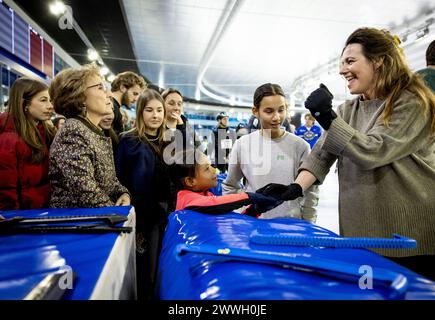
(280,157)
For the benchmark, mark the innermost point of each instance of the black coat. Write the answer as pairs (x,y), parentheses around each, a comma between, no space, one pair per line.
(145,175)
(117,125)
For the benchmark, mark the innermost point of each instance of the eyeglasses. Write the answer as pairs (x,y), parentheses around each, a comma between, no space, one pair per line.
(101,86)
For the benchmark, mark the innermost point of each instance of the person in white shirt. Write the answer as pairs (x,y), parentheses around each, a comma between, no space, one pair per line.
(271,155)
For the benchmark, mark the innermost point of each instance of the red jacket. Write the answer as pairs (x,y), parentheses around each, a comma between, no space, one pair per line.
(23,185)
(207,202)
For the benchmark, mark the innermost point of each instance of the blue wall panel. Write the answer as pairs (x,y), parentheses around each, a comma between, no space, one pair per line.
(5,27)
(21,38)
(59,64)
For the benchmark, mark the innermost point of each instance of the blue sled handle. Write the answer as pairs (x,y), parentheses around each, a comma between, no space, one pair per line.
(397,283)
(282,238)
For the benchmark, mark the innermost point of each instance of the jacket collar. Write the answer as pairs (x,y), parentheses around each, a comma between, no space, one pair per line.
(90,126)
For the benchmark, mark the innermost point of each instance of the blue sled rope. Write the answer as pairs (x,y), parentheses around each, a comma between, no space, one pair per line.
(397,283)
(289,239)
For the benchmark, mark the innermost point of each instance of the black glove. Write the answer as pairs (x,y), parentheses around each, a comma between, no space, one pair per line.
(261,203)
(319,102)
(273,190)
(283,192)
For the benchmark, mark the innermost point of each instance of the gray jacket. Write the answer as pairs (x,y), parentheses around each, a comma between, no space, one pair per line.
(386,174)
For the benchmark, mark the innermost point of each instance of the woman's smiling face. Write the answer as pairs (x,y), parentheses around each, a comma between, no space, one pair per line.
(358,71)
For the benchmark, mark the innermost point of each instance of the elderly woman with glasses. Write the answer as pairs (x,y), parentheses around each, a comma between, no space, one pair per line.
(82,170)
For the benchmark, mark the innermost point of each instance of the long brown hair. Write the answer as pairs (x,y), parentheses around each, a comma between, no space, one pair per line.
(139,130)
(22,92)
(394,76)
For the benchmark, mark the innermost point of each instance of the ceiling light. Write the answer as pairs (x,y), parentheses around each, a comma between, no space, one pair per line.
(57,8)
(232,101)
(104,71)
(421,33)
(92,55)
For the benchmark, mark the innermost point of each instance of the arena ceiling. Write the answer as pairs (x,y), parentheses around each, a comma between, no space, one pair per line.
(221,50)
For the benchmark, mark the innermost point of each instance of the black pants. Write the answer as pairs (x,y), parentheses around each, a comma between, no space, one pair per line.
(148,247)
(423,265)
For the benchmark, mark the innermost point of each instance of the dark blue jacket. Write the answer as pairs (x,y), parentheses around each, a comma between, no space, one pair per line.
(141,170)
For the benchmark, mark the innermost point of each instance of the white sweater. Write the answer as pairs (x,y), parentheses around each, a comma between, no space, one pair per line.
(262,160)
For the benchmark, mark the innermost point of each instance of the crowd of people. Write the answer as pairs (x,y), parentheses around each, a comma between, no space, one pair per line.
(383,140)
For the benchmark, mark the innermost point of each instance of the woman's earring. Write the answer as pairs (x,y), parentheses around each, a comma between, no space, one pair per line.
(26,109)
(85,111)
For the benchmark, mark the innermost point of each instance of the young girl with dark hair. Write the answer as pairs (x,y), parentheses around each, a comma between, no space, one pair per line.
(193,176)
(269,155)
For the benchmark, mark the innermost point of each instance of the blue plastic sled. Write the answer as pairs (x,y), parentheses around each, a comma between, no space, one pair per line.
(236,257)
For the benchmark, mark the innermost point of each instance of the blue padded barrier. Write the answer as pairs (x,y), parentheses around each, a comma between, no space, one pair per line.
(215,258)
(26,259)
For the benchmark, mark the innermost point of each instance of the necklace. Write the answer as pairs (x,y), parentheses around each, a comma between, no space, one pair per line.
(151,138)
